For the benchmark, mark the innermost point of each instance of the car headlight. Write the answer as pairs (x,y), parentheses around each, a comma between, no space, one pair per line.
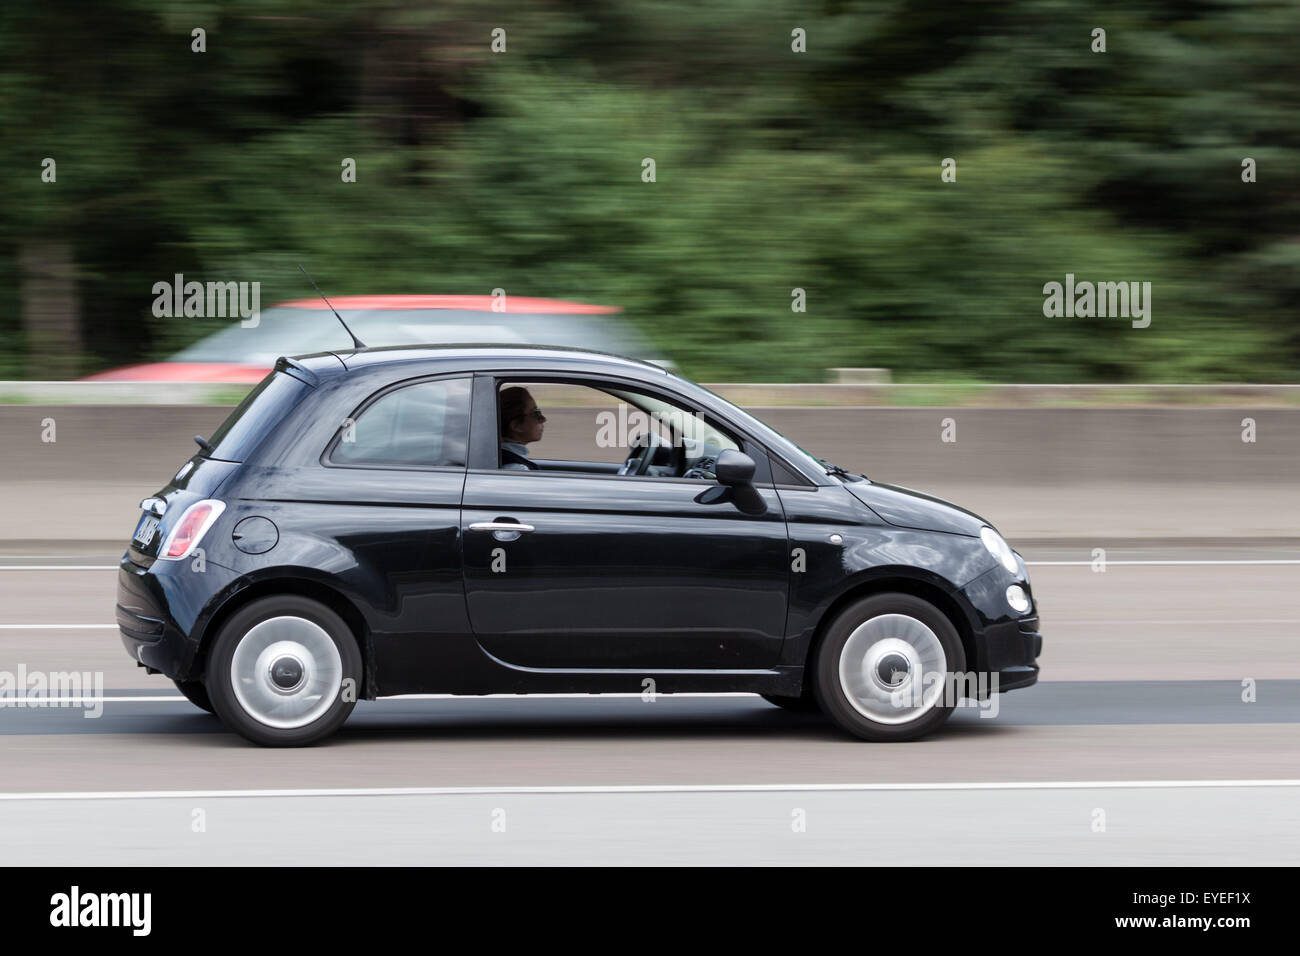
(998,547)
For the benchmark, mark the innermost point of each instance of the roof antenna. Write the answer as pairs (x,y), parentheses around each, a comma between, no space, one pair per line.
(360,346)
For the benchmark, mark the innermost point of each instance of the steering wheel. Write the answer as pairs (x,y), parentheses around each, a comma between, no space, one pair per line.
(643,451)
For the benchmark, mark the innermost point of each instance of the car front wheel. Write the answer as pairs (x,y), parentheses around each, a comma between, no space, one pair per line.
(884,669)
(284,671)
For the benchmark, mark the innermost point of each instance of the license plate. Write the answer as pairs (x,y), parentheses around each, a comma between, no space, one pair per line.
(144,533)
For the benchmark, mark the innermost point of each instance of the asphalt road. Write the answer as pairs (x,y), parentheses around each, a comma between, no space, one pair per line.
(1106,761)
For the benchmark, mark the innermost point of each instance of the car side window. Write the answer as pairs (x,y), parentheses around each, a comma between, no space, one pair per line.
(594,427)
(425,425)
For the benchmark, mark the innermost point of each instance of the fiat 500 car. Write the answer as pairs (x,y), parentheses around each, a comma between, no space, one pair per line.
(488,520)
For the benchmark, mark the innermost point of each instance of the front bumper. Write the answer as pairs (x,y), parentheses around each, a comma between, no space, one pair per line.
(1012,652)
(1007,645)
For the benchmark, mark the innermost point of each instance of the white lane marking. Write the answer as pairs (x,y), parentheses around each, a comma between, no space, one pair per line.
(1089,621)
(58,567)
(1109,563)
(656,788)
(56,557)
(33,702)
(56,627)
(16,701)
(1171,621)
(622,694)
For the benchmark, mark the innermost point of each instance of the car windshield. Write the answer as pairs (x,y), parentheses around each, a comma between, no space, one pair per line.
(789,447)
(675,417)
(287,330)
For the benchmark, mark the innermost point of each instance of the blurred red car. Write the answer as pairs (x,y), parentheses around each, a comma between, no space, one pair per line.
(245,355)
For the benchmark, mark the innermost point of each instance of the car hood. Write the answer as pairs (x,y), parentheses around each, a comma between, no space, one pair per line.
(912,509)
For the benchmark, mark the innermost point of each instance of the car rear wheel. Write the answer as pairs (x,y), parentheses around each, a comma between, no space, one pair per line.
(195,693)
(883,669)
(284,671)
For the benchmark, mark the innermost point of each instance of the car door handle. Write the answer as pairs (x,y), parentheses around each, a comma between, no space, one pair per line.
(501,526)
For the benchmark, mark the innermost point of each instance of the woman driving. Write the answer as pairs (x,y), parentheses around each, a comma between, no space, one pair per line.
(521,424)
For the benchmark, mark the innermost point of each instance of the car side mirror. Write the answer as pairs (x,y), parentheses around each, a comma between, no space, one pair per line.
(734,468)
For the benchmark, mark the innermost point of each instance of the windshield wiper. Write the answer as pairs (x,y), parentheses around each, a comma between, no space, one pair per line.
(837,471)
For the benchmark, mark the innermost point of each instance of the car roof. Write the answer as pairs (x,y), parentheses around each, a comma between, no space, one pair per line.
(485,356)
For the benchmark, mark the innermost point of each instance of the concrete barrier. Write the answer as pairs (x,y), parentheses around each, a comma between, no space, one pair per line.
(1083,474)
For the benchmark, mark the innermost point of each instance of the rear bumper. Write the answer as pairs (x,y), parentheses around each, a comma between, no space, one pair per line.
(157,610)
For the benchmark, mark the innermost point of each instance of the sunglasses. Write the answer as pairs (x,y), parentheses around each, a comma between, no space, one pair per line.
(535,413)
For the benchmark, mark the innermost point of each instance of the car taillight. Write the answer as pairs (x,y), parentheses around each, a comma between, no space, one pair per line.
(189,530)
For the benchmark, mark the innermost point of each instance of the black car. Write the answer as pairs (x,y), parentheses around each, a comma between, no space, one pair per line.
(358,528)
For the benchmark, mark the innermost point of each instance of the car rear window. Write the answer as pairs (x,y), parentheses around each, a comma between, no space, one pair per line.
(255,417)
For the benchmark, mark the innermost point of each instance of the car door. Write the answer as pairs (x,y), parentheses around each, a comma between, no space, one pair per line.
(617,572)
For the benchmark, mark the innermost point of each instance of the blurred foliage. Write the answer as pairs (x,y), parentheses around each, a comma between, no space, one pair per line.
(775,170)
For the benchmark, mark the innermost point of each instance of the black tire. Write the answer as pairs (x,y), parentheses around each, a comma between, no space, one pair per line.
(246,722)
(833,696)
(195,693)
(805,704)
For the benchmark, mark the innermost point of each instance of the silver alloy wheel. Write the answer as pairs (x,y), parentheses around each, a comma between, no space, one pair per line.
(893,669)
(286,672)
